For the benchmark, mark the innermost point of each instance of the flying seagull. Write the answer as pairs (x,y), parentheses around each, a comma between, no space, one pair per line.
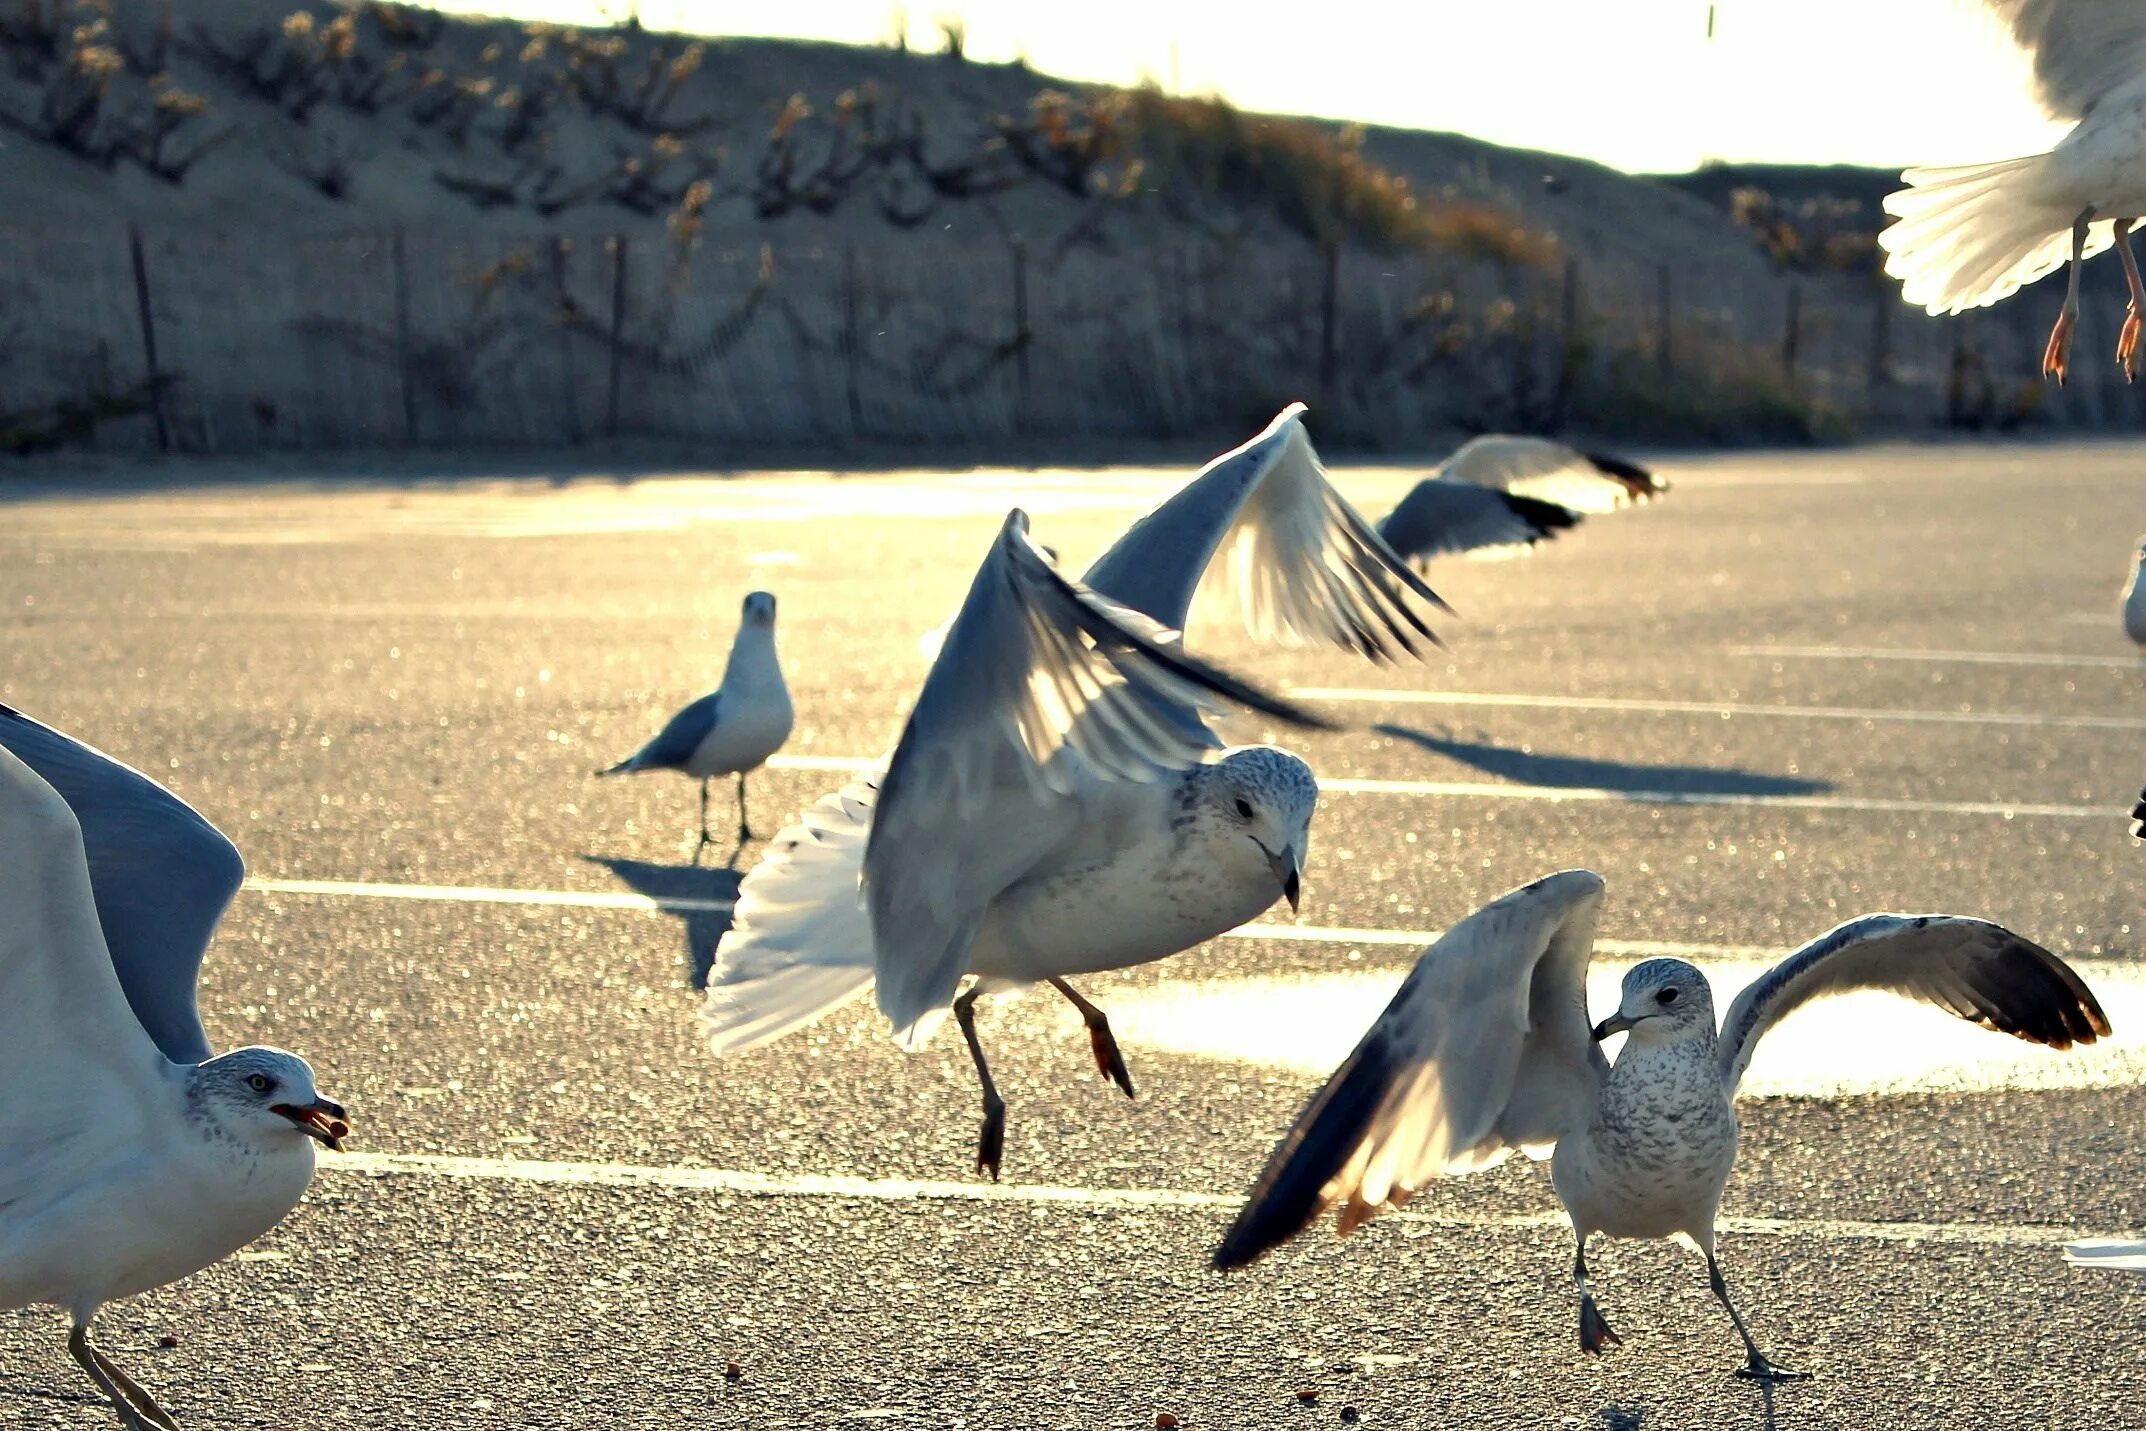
(1057,804)
(129,1157)
(1487,1048)
(1499,495)
(1971,235)
(734,728)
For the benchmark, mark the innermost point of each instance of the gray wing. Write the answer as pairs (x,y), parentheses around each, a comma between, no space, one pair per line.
(1486,1048)
(671,747)
(162,876)
(2081,49)
(1980,971)
(1593,482)
(1440,518)
(1041,685)
(1263,529)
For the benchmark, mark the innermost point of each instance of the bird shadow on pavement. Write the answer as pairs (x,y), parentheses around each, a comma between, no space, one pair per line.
(1579,772)
(1622,1418)
(698,897)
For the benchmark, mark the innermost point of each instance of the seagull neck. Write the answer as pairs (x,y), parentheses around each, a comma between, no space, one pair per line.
(752,660)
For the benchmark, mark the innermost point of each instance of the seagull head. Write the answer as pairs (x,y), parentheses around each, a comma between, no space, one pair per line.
(759,610)
(268,1094)
(1663,1000)
(1266,796)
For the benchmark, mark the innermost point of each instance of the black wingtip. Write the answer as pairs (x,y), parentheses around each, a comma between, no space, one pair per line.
(1642,481)
(2138,813)
(1547,518)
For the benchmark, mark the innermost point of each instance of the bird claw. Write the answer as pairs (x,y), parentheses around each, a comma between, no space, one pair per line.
(1108,1061)
(1760,1369)
(1595,1331)
(2056,358)
(991,1140)
(2127,343)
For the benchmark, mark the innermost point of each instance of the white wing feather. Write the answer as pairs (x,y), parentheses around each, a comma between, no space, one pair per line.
(2082,49)
(1551,472)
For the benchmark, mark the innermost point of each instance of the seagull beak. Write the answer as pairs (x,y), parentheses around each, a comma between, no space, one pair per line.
(1616,1023)
(1286,872)
(321,1120)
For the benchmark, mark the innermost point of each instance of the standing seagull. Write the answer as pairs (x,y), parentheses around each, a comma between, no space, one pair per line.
(1057,804)
(1499,495)
(124,1165)
(2134,606)
(1486,1048)
(1969,236)
(734,728)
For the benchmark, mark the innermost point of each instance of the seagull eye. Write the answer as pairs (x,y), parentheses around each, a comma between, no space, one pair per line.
(259,1082)
(1666,996)
(1244,807)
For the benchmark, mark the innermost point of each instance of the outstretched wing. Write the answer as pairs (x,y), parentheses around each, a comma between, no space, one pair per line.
(1439,518)
(1551,472)
(1980,971)
(2081,49)
(78,1074)
(162,876)
(800,941)
(1041,683)
(1262,529)
(1486,1048)
(2113,1253)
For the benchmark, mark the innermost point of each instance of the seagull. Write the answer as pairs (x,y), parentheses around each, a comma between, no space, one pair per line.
(129,1157)
(1056,804)
(1499,495)
(2134,607)
(734,728)
(1486,1048)
(1971,235)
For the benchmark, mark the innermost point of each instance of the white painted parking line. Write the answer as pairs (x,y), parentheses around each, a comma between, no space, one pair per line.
(859,1189)
(675,904)
(1589,794)
(1363,695)
(1973,658)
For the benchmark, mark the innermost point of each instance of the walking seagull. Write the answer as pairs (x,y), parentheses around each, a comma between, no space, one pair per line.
(1056,804)
(129,1158)
(734,728)
(1487,1048)
(1969,236)
(1499,495)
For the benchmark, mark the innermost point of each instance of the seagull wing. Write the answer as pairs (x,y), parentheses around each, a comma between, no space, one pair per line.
(161,873)
(1486,1048)
(2081,51)
(1980,971)
(1549,471)
(1262,529)
(78,1074)
(2117,1254)
(671,747)
(1042,687)
(1441,518)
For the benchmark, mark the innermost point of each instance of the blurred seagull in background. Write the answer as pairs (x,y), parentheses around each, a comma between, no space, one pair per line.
(733,729)
(1057,804)
(1971,235)
(129,1157)
(1487,1048)
(2134,604)
(1499,495)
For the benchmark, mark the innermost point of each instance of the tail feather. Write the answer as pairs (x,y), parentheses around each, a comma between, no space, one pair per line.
(801,943)
(1966,237)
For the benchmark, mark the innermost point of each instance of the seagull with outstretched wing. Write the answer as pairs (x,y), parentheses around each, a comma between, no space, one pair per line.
(1499,495)
(1487,1048)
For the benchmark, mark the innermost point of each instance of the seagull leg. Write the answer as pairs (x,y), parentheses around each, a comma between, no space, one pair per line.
(706,839)
(2056,358)
(2127,342)
(1595,1331)
(1108,1061)
(745,825)
(1757,1368)
(991,1141)
(137,1410)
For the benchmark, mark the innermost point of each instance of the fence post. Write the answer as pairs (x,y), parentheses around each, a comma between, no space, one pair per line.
(618,322)
(148,322)
(1881,340)
(402,338)
(1792,331)
(569,393)
(852,341)
(1568,344)
(1020,334)
(1329,302)
(1664,358)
